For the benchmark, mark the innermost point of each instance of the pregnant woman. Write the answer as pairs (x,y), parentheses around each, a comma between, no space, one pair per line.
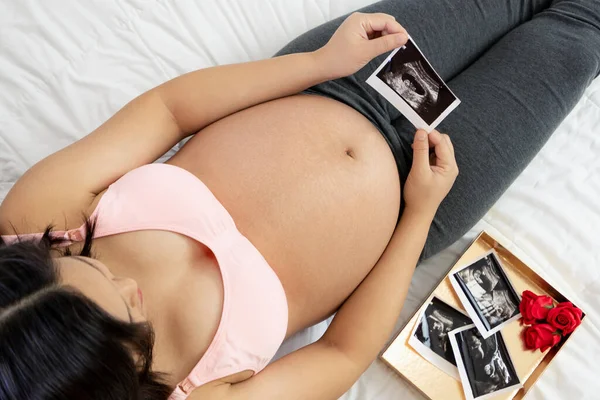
(284,207)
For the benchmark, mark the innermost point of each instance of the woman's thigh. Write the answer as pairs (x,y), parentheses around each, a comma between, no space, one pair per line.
(513,98)
(451,33)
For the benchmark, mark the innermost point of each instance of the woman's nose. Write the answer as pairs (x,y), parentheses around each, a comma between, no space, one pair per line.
(129,290)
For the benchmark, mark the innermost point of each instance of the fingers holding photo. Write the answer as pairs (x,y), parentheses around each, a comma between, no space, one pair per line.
(359,39)
(438,144)
(421,149)
(384,24)
(450,144)
(444,139)
(428,184)
(441,147)
(444,151)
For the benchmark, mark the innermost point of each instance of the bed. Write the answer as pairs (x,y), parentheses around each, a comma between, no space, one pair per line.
(66,67)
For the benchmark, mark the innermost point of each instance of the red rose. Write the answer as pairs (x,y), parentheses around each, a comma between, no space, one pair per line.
(541,336)
(565,317)
(534,307)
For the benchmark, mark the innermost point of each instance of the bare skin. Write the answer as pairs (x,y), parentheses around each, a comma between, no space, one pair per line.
(309,181)
(330,163)
(317,271)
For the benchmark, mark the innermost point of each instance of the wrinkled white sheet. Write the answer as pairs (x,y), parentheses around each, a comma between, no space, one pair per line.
(65,67)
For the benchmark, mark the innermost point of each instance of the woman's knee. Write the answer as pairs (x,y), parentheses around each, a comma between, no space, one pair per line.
(571,35)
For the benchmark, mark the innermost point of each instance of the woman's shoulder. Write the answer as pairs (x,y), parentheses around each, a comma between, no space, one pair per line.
(18,223)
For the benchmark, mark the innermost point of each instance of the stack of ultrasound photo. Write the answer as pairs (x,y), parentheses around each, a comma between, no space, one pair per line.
(470,347)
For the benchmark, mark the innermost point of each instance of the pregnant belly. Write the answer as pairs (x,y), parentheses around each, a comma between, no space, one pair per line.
(312,184)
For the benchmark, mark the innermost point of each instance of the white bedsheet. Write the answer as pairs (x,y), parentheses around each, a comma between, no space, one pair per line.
(65,67)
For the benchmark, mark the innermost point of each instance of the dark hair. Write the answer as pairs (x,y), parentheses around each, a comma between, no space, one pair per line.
(55,343)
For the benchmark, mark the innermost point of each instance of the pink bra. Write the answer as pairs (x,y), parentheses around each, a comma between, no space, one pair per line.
(255,314)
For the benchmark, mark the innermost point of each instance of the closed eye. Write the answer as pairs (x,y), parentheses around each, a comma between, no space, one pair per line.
(82,259)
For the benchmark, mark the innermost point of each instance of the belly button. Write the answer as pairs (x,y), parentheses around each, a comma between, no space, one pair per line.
(350,153)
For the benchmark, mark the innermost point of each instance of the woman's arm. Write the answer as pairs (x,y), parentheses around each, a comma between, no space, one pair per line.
(327,368)
(363,325)
(64,185)
(61,187)
(202,97)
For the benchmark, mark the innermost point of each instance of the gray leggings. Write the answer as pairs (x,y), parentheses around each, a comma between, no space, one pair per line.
(518,66)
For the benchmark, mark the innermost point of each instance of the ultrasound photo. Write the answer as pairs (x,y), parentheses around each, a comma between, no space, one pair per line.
(487,294)
(430,336)
(412,79)
(485,366)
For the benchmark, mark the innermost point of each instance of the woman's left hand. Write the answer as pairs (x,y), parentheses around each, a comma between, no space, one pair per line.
(359,39)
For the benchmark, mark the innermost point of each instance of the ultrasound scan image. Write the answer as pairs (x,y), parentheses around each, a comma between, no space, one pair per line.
(409,74)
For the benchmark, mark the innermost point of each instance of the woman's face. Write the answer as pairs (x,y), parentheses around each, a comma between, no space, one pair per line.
(120,297)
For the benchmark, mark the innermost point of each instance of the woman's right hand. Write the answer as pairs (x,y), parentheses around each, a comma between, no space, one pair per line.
(431,176)
(358,40)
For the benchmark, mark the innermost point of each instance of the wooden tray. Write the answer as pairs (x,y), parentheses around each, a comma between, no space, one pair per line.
(437,385)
